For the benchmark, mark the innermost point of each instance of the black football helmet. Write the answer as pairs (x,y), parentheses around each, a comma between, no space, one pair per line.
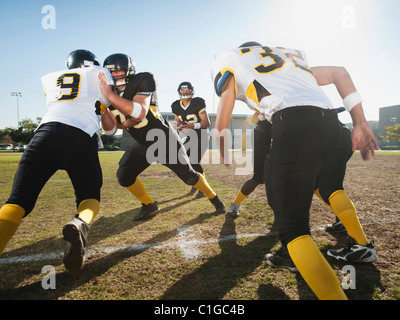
(250,44)
(81,59)
(186,85)
(118,62)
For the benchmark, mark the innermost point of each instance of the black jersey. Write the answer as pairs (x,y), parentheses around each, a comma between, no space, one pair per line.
(143,82)
(191,113)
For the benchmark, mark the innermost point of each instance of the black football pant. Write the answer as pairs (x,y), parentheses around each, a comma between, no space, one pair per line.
(262,142)
(302,137)
(196,146)
(331,172)
(56,146)
(135,161)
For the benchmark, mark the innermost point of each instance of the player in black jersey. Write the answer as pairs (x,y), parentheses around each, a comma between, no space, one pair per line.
(192,122)
(135,95)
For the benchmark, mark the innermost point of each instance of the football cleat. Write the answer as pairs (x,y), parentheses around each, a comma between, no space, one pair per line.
(234,210)
(75,233)
(354,252)
(337,226)
(218,204)
(147,211)
(280,259)
(193,190)
(200,195)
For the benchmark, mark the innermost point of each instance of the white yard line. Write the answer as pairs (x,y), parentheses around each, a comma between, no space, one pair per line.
(187,243)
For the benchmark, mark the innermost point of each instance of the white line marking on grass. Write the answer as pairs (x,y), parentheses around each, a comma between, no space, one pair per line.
(186,242)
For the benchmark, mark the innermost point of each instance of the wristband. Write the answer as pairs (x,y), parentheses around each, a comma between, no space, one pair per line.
(197,125)
(112,131)
(352,100)
(137,110)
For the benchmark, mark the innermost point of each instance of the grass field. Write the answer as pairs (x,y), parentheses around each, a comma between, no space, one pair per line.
(188,251)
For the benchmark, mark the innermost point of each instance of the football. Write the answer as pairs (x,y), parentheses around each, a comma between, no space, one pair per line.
(181,123)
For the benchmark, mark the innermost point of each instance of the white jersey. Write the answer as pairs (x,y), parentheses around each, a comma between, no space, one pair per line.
(269,79)
(74,97)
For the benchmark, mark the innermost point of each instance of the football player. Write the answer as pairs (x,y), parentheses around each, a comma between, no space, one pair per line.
(262,142)
(277,83)
(191,117)
(66,139)
(135,97)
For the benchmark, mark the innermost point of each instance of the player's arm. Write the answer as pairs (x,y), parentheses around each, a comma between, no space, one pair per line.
(224,114)
(363,137)
(204,120)
(137,108)
(109,123)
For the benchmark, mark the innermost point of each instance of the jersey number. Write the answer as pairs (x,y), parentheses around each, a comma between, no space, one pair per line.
(277,61)
(70,82)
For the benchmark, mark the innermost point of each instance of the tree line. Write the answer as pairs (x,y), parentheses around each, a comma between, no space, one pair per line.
(23,134)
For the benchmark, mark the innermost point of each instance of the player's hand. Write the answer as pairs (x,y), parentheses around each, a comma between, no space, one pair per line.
(364,139)
(105,87)
(181,125)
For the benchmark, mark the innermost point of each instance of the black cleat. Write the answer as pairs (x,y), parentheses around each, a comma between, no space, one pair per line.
(200,195)
(354,252)
(148,211)
(337,226)
(281,259)
(75,233)
(193,190)
(218,204)
(234,210)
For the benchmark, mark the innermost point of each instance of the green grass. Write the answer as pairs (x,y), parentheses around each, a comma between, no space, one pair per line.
(224,270)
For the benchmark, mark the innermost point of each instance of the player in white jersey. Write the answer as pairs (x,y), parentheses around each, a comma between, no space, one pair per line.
(66,139)
(277,83)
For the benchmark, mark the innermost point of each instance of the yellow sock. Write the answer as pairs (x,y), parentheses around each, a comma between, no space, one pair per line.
(315,270)
(344,209)
(88,209)
(139,191)
(239,198)
(10,218)
(316,192)
(204,187)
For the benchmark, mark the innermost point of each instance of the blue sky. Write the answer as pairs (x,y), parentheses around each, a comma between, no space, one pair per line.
(178,41)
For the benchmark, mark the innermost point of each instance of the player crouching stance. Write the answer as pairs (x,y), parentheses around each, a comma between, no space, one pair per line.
(135,108)
(66,139)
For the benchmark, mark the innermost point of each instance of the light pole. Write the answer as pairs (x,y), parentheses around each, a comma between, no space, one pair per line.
(17,94)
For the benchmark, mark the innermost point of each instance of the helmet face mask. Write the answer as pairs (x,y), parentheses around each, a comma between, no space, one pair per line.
(81,59)
(185,90)
(120,62)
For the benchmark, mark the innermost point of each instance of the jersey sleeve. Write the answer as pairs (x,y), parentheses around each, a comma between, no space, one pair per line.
(200,104)
(147,83)
(174,106)
(222,68)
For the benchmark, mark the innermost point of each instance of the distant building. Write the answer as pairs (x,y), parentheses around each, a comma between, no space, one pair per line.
(241,128)
(388,116)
